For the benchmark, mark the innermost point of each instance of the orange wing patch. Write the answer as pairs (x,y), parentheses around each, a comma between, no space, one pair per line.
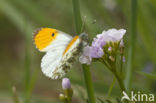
(70,44)
(44,36)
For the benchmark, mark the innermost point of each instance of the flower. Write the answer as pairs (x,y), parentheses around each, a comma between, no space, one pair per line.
(99,41)
(113,35)
(85,58)
(66,83)
(89,53)
(96,50)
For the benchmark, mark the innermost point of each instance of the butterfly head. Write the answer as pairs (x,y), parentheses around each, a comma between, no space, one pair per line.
(84,37)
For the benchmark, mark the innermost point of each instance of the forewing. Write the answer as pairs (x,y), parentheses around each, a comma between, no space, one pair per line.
(53,56)
(44,38)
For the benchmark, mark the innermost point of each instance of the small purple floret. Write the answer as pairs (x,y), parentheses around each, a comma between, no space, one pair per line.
(96,52)
(110,49)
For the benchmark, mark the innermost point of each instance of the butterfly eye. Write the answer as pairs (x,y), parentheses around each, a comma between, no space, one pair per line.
(53,34)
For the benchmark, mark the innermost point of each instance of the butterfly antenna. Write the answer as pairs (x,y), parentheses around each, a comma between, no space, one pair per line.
(83,23)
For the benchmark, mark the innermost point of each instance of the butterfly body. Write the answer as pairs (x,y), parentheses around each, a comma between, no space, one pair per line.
(61,51)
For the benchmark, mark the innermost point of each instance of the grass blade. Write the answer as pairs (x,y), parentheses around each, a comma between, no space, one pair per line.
(132,44)
(77,16)
(148,75)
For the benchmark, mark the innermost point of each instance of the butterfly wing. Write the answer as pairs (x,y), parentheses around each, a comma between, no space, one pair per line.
(70,54)
(53,42)
(46,39)
(50,61)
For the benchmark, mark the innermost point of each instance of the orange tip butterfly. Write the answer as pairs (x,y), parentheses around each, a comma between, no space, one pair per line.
(61,50)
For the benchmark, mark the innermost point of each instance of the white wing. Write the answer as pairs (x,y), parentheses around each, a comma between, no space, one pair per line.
(54,54)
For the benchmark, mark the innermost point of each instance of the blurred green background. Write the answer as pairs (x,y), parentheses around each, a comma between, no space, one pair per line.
(20,60)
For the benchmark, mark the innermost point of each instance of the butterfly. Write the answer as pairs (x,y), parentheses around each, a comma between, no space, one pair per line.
(61,50)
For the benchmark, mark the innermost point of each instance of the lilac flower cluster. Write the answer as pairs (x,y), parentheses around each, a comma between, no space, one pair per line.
(96,50)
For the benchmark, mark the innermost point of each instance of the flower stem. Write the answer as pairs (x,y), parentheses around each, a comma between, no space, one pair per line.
(111,87)
(117,76)
(88,81)
(121,64)
(120,81)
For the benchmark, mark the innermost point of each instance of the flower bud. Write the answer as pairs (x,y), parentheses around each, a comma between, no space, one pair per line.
(68,93)
(62,97)
(121,47)
(112,58)
(121,51)
(116,45)
(123,59)
(110,49)
(121,43)
(66,83)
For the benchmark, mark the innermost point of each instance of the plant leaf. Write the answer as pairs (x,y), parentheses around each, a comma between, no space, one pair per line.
(108,101)
(118,100)
(100,100)
(148,75)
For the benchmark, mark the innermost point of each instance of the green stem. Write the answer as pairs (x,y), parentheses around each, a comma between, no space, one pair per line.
(88,81)
(68,101)
(77,16)
(111,87)
(120,81)
(118,77)
(121,64)
(86,69)
(132,44)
